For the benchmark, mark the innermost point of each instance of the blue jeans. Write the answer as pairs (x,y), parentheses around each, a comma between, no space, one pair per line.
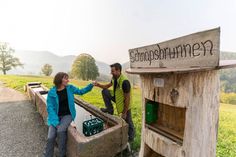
(61,133)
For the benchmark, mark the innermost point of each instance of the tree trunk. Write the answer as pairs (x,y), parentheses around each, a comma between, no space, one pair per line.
(4,72)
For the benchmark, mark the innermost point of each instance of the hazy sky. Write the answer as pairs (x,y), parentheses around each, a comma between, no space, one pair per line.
(108,28)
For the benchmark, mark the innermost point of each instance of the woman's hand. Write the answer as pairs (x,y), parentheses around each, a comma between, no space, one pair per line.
(73,124)
(95,83)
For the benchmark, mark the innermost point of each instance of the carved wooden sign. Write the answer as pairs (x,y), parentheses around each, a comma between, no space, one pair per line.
(200,49)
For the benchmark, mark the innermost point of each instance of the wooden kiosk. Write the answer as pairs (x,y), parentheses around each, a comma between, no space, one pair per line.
(180,95)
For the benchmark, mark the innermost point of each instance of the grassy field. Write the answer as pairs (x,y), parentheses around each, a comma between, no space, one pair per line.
(226,146)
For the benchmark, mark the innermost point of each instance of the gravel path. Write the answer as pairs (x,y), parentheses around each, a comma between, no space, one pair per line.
(22,130)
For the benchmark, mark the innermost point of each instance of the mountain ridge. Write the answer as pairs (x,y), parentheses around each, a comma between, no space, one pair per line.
(34,60)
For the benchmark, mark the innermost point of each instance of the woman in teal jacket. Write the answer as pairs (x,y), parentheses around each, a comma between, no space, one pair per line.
(61,111)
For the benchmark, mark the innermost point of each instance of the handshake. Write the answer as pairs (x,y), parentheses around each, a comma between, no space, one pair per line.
(95,83)
(103,86)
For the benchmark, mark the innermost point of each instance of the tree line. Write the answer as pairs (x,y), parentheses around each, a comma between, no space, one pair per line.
(228,76)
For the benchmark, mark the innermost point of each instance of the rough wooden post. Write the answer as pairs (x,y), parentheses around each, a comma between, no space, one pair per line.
(180,86)
(199,94)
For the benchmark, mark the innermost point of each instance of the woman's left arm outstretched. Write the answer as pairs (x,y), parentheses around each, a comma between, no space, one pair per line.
(82,91)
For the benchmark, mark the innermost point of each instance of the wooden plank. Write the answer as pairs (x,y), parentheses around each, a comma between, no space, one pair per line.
(160,144)
(166,134)
(200,49)
(169,131)
(150,153)
(224,64)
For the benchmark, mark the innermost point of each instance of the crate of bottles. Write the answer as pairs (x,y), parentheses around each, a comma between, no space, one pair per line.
(92,126)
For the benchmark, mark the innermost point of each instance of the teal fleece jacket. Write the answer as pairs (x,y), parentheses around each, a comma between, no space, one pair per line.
(53,102)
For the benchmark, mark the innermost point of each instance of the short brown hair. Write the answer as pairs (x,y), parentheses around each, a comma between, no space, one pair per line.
(58,78)
(117,66)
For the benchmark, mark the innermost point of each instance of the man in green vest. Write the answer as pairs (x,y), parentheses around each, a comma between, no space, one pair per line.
(121,95)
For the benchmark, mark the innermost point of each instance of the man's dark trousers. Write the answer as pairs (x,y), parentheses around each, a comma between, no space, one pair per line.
(107,98)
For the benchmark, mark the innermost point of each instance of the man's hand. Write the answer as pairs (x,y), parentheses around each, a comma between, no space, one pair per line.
(103,86)
(124,115)
(95,83)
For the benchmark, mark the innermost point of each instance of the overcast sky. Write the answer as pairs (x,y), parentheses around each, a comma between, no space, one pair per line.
(106,29)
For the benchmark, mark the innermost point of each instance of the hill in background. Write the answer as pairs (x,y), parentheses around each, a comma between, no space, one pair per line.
(34,60)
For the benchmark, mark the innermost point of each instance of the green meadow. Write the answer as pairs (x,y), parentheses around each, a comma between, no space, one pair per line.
(226,146)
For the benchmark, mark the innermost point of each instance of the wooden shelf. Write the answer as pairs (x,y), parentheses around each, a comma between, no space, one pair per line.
(164,132)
